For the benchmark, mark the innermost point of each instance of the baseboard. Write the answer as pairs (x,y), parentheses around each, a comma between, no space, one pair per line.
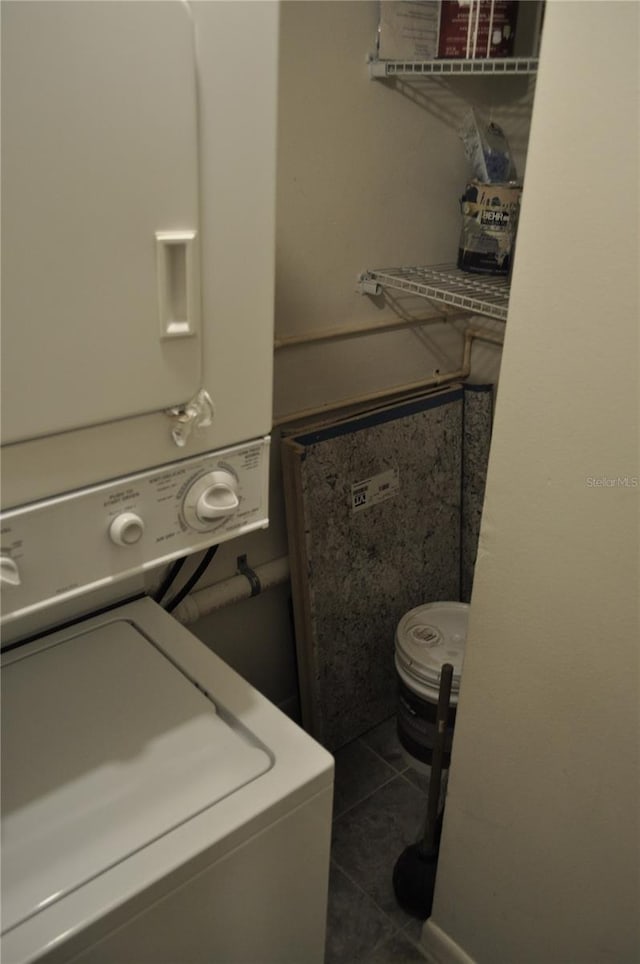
(440,948)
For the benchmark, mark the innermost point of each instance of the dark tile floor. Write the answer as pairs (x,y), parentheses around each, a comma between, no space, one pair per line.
(379,809)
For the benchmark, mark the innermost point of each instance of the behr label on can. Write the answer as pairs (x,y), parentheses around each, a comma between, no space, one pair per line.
(489,225)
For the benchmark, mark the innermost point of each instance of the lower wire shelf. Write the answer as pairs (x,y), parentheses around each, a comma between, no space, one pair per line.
(446,283)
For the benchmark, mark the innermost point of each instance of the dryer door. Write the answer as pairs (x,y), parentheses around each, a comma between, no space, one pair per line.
(100,206)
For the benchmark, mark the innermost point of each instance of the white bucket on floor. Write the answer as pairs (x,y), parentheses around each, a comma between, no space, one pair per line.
(426,638)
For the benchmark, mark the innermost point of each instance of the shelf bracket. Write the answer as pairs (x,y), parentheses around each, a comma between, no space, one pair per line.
(367,286)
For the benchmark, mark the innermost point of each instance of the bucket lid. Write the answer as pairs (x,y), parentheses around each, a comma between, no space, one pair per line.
(430,636)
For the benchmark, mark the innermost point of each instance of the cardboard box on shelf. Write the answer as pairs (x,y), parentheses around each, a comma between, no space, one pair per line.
(477,29)
(408,29)
(432,29)
(489,225)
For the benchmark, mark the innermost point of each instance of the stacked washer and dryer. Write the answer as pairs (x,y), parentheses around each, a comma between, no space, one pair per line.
(155,807)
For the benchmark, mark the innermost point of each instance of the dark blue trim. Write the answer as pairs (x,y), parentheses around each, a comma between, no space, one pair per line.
(478,388)
(379,418)
(463,480)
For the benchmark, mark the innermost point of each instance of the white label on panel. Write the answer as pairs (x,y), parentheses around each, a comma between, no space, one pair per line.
(374,490)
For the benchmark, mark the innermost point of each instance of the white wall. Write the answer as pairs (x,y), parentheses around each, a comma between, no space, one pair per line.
(541,845)
(369,174)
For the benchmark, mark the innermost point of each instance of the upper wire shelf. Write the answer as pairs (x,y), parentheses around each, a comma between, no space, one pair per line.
(446,283)
(451,67)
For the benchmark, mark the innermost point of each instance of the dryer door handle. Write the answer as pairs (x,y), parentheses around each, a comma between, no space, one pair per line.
(177,283)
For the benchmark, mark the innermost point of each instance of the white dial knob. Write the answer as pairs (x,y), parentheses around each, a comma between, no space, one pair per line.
(211,499)
(9,572)
(126,529)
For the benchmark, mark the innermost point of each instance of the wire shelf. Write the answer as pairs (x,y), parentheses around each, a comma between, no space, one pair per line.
(417,68)
(481,294)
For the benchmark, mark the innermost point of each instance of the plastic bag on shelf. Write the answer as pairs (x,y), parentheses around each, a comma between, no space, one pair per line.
(487,150)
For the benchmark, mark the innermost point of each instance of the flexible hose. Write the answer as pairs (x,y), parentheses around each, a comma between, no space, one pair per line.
(193,579)
(169,579)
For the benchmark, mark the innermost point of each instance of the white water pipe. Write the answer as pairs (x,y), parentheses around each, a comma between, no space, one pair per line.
(436,381)
(232,590)
(354,331)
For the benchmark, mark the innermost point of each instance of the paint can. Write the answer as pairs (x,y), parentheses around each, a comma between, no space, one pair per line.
(489,225)
(426,638)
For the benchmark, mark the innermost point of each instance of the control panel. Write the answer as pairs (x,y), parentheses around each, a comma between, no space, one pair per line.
(74,543)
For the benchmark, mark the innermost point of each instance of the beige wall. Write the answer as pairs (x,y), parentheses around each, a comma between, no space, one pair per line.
(541,847)
(369,175)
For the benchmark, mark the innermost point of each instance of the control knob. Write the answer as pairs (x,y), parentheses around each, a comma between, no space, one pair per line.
(126,529)
(211,499)
(9,572)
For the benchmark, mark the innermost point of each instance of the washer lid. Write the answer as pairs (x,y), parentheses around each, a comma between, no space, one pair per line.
(106,746)
(430,636)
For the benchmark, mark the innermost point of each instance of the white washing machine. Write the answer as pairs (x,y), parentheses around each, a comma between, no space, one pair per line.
(155,807)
